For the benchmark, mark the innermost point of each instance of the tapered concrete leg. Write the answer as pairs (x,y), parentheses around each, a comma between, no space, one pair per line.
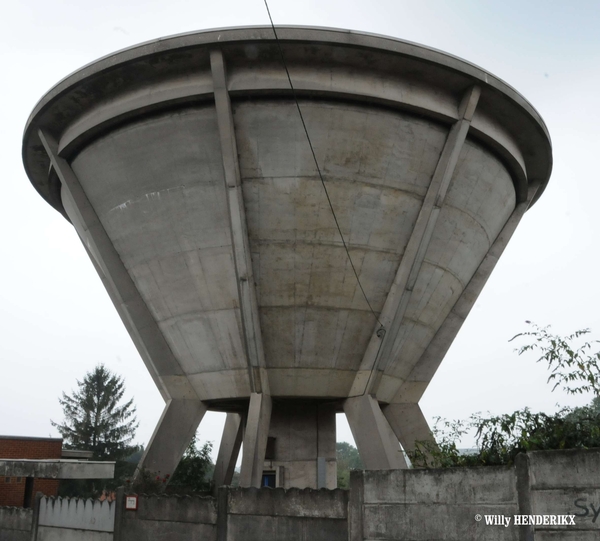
(326,449)
(231,441)
(377,445)
(402,463)
(173,434)
(255,440)
(411,428)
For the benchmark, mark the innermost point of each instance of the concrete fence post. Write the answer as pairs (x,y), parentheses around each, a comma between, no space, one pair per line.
(119,508)
(36,515)
(356,505)
(526,533)
(222,510)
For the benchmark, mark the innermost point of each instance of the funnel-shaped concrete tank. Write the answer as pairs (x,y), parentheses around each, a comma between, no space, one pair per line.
(185,169)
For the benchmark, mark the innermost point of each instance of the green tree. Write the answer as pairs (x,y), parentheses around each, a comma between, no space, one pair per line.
(195,469)
(193,474)
(347,459)
(97,419)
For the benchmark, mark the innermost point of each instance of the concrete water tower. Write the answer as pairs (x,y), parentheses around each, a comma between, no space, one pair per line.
(183,165)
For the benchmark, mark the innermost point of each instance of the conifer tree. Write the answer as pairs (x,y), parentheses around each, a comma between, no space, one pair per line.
(95,419)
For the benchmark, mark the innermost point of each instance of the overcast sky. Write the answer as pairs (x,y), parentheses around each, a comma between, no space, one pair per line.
(57,320)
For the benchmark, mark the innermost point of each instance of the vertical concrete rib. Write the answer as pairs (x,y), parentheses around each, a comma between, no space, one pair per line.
(229,449)
(255,439)
(183,410)
(381,348)
(239,232)
(425,368)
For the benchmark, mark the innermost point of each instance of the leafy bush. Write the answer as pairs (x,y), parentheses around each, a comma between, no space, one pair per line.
(575,368)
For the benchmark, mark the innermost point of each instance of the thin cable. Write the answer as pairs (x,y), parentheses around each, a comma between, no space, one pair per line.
(312,150)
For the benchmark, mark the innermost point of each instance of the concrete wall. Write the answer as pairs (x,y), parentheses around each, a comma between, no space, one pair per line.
(15,524)
(427,505)
(565,482)
(64,519)
(175,518)
(411,505)
(239,515)
(290,515)
(420,505)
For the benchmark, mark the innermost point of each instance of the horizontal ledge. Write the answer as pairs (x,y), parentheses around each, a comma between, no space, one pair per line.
(57,469)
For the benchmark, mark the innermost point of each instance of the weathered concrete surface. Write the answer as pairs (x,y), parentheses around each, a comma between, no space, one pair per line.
(171,437)
(46,533)
(15,524)
(423,505)
(566,482)
(231,441)
(176,509)
(426,505)
(192,186)
(246,514)
(149,530)
(172,518)
(304,431)
(410,426)
(244,528)
(377,444)
(407,505)
(293,502)
(57,469)
(296,515)
(77,514)
(256,434)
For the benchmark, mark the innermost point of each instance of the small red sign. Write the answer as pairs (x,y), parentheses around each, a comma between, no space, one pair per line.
(131,502)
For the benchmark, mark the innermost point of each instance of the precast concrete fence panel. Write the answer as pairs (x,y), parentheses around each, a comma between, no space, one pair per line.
(64,519)
(15,524)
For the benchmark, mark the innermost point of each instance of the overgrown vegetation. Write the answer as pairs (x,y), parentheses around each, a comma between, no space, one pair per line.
(573,367)
(195,470)
(347,459)
(193,474)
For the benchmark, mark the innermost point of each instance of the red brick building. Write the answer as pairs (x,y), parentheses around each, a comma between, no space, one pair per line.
(19,491)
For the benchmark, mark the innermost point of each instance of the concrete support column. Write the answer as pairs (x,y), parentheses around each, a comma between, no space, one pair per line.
(409,424)
(177,425)
(231,441)
(255,439)
(326,449)
(375,440)
(303,444)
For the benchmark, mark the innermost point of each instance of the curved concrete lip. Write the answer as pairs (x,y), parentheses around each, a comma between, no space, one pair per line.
(433,63)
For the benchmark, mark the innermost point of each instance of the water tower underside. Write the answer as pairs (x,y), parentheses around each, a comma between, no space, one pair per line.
(186,171)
